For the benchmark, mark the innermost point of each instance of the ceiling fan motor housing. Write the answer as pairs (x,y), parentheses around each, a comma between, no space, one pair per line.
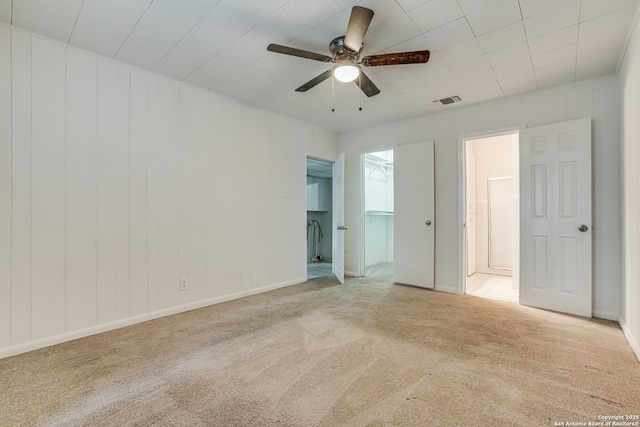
(339,50)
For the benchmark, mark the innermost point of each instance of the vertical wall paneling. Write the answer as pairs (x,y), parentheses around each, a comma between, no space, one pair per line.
(271,221)
(262,173)
(107,202)
(213,198)
(168,197)
(561,104)
(5,187)
(122,191)
(48,241)
(152,191)
(284,196)
(296,195)
(514,111)
(290,162)
(267,191)
(630,157)
(197,178)
(606,127)
(581,97)
(5,10)
(542,108)
(247,203)
(138,193)
(116,183)
(21,188)
(232,196)
(183,187)
(81,191)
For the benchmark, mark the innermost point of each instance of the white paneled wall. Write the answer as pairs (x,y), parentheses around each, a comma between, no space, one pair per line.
(20,202)
(116,183)
(598,99)
(5,186)
(630,86)
(48,191)
(111,203)
(80,185)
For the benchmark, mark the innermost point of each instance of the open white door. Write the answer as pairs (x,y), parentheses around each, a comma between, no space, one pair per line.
(414,224)
(555,226)
(338,218)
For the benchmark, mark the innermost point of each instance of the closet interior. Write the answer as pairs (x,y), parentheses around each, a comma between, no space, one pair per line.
(378,212)
(319,218)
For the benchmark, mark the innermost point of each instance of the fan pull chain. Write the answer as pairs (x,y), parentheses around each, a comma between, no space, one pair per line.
(360,95)
(333,93)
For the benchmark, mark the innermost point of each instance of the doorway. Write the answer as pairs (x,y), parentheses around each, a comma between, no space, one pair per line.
(491,197)
(378,172)
(319,218)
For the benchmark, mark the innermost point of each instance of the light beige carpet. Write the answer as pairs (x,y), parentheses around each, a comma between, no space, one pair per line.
(368,353)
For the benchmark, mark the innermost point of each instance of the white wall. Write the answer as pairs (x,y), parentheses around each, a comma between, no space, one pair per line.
(115,183)
(598,99)
(630,87)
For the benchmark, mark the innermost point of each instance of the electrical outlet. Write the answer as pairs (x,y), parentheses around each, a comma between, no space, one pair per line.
(184,285)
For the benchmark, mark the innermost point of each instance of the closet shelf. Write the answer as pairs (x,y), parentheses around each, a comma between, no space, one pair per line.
(378,213)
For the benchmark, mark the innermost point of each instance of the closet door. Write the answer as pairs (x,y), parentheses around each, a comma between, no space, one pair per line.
(555,217)
(414,225)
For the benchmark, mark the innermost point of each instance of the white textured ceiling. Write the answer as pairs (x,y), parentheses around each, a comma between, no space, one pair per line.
(480,49)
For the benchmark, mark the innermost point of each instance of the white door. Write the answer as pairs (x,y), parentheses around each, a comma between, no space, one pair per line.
(338,218)
(555,226)
(414,223)
(471,211)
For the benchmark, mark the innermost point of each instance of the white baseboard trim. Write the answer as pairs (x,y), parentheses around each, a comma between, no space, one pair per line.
(105,327)
(351,274)
(448,289)
(632,341)
(605,315)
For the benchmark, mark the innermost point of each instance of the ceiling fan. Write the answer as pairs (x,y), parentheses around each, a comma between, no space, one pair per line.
(346,50)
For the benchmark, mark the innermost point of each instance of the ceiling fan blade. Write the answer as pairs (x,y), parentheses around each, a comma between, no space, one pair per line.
(315,81)
(357,28)
(366,85)
(417,57)
(298,52)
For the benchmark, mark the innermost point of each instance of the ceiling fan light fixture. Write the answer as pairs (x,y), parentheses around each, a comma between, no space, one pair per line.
(346,73)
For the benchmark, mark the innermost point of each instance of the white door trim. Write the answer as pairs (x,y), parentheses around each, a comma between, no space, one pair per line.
(462,176)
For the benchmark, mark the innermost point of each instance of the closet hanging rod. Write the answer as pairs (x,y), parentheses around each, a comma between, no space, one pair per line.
(378,163)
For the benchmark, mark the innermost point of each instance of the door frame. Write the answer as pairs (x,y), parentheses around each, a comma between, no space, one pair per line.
(328,161)
(361,242)
(462,195)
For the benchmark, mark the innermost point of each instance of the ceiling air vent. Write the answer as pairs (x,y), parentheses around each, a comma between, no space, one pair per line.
(451,100)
